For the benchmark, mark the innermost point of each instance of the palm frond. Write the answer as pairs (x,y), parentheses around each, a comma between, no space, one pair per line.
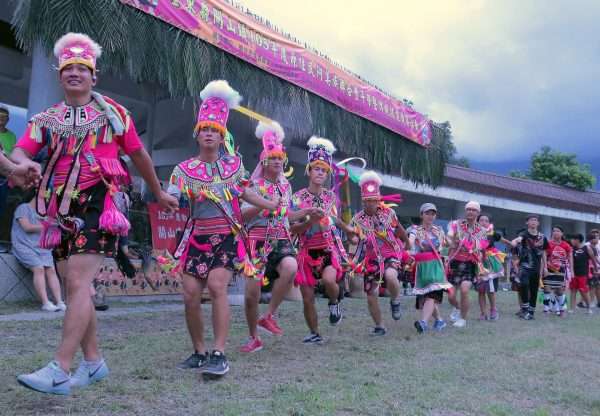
(149,50)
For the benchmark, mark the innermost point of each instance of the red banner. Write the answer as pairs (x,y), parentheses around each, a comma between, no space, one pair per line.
(165,226)
(223,25)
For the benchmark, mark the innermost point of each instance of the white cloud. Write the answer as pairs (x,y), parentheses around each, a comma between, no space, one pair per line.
(508,75)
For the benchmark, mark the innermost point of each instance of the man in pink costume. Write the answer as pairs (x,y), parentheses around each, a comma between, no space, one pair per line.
(381,245)
(83,134)
(214,242)
(321,251)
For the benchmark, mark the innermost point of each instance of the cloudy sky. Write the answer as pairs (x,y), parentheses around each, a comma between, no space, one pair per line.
(509,75)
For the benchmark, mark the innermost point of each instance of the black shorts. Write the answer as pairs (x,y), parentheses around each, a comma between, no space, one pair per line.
(223,253)
(462,271)
(281,249)
(436,295)
(87,238)
(554,281)
(594,281)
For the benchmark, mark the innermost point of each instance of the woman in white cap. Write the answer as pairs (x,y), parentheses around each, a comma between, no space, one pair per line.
(426,241)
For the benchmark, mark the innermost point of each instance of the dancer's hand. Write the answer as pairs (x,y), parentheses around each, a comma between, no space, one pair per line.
(25,175)
(167,202)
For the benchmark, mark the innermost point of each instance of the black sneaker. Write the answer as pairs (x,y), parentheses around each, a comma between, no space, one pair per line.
(313,338)
(216,365)
(527,316)
(581,305)
(420,326)
(378,331)
(335,313)
(396,312)
(196,360)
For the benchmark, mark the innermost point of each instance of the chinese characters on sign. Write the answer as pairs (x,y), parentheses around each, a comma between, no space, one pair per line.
(166,227)
(223,25)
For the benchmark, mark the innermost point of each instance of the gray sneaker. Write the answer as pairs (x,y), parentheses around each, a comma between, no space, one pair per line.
(217,365)
(396,311)
(88,373)
(196,360)
(50,379)
(313,338)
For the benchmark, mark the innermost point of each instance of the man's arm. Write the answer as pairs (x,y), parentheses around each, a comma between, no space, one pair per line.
(258,201)
(400,232)
(23,172)
(593,257)
(143,163)
(516,241)
(544,264)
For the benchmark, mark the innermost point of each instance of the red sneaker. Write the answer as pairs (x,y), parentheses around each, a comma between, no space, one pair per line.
(253,345)
(269,324)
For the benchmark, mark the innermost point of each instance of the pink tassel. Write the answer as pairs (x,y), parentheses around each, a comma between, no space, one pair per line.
(53,206)
(241,250)
(112,220)
(50,236)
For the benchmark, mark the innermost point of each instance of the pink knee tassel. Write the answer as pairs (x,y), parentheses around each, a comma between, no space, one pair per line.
(112,220)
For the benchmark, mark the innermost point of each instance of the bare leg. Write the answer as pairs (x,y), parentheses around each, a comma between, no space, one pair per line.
(452,297)
(586,298)
(573,302)
(287,269)
(391,283)
(251,299)
(482,302)
(310,311)
(492,299)
(436,312)
(39,283)
(464,299)
(192,299)
(218,280)
(329,281)
(81,270)
(428,309)
(53,283)
(373,303)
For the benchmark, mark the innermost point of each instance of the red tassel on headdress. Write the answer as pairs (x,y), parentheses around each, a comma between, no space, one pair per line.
(397,198)
(112,220)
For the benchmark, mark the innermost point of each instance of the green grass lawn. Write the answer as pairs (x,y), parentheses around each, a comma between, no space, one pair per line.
(549,366)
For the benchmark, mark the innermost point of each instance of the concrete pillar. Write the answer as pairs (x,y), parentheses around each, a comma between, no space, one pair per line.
(580,228)
(546,225)
(44,88)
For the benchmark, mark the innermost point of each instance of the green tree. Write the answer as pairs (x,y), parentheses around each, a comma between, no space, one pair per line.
(559,168)
(460,161)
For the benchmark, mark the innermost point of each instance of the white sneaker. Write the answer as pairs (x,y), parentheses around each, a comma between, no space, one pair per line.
(460,323)
(590,311)
(51,379)
(88,373)
(455,315)
(61,306)
(50,307)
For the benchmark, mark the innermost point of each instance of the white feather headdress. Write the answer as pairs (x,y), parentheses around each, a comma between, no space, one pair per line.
(221,89)
(369,176)
(273,126)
